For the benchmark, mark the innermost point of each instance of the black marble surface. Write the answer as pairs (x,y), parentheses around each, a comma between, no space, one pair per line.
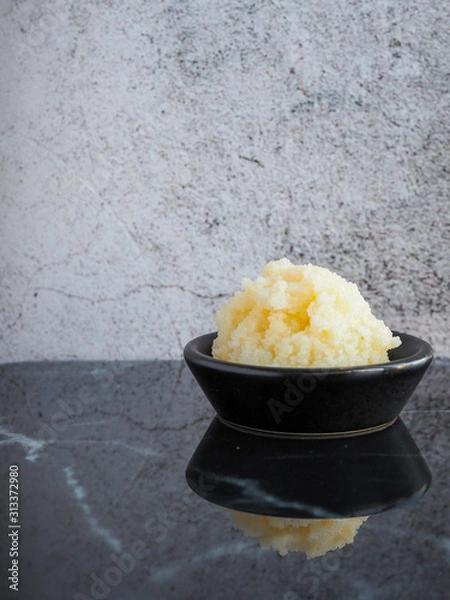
(105,511)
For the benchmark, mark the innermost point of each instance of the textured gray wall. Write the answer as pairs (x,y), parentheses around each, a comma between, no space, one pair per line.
(153,153)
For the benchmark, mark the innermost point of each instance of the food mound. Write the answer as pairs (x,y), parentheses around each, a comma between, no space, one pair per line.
(300,316)
(315,537)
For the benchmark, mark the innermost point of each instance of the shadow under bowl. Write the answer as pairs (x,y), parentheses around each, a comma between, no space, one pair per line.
(312,402)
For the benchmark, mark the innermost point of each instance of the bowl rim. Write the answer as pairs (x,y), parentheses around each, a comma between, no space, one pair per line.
(194,355)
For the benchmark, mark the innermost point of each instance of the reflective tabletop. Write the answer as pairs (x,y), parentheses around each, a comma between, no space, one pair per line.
(99,452)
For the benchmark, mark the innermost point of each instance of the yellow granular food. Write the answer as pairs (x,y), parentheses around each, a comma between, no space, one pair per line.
(315,537)
(300,316)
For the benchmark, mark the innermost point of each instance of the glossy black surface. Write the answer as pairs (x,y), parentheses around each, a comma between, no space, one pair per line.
(309,400)
(335,478)
(102,450)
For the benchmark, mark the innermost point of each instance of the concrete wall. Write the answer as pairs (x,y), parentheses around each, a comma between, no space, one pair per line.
(153,153)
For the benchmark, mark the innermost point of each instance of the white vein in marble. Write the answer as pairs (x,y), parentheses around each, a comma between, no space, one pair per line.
(31,446)
(80,496)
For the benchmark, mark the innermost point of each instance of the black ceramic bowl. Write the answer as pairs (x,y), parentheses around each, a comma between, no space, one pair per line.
(311,402)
